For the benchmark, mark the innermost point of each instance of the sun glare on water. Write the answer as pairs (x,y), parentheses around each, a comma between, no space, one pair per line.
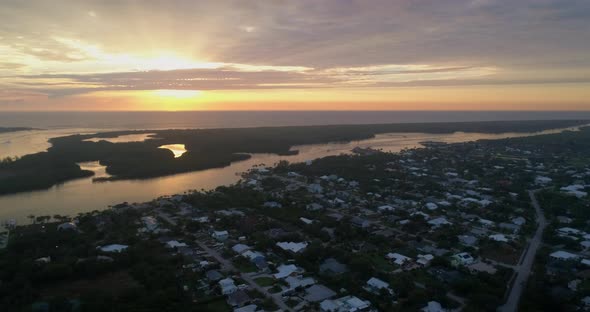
(177,149)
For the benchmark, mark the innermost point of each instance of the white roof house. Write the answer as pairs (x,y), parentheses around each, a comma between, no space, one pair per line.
(375,285)
(175,243)
(499,238)
(384,208)
(486,223)
(398,259)
(519,220)
(344,304)
(298,281)
(569,231)
(286,270)
(150,223)
(463,258)
(292,246)
(542,180)
(220,235)
(227,286)
(315,188)
(248,308)
(563,255)
(431,206)
(433,306)
(440,221)
(113,248)
(240,248)
(306,220)
(424,260)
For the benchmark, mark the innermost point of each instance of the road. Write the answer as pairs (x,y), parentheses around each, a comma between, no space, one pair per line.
(226,264)
(524,269)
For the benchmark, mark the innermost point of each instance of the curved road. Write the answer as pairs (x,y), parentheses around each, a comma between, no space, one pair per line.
(524,269)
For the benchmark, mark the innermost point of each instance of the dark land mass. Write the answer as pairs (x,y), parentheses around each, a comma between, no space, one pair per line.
(15,129)
(209,148)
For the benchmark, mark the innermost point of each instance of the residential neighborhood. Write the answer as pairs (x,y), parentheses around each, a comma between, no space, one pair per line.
(487,225)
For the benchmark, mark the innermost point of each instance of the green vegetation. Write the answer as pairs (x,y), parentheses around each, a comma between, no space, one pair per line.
(265,281)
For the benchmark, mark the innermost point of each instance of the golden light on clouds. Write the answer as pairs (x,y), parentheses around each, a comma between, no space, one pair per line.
(226,54)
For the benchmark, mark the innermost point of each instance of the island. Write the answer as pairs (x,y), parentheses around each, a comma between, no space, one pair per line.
(15,129)
(208,148)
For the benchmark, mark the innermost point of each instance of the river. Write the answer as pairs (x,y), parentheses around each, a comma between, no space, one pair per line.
(83,195)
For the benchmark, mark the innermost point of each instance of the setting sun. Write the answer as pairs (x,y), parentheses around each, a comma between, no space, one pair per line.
(177,94)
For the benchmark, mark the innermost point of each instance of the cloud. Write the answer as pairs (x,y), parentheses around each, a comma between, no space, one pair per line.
(248,77)
(236,45)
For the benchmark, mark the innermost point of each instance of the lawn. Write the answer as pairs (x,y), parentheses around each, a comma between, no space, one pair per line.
(265,281)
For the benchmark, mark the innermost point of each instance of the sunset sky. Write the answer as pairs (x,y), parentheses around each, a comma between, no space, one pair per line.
(290,55)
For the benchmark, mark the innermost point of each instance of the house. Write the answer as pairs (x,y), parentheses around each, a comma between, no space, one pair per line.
(424,260)
(344,304)
(228,286)
(295,282)
(438,222)
(498,238)
(248,308)
(482,267)
(568,231)
(467,240)
(292,246)
(272,204)
(238,298)
(360,222)
(486,223)
(385,208)
(314,207)
(431,206)
(541,180)
(315,188)
(375,285)
(398,259)
(220,235)
(563,256)
(575,190)
(283,271)
(564,219)
(462,258)
(433,306)
(520,221)
(213,275)
(240,248)
(306,220)
(509,227)
(175,244)
(150,223)
(113,248)
(317,293)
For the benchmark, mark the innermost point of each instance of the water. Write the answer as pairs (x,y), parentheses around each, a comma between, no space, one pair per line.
(83,195)
(57,124)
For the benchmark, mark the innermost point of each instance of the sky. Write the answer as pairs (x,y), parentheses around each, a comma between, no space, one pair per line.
(295,55)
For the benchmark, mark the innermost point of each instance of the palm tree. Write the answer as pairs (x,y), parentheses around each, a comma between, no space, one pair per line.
(32,217)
